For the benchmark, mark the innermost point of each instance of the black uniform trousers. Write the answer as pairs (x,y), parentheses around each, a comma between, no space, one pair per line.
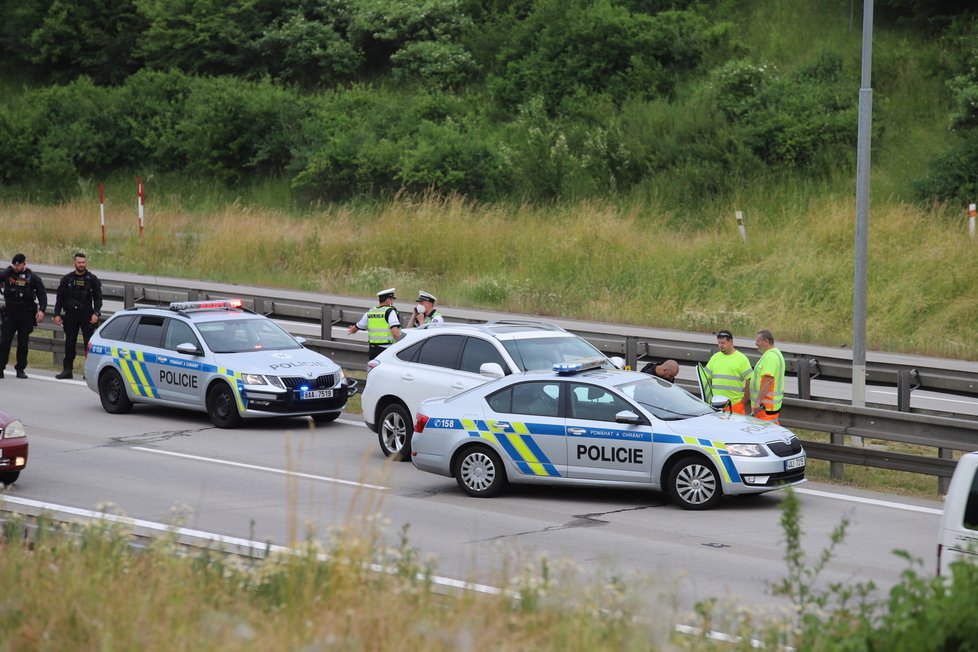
(74,321)
(21,322)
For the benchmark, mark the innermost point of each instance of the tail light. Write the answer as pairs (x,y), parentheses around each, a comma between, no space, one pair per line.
(420,423)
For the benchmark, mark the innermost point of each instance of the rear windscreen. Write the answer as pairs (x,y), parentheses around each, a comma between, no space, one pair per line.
(971,508)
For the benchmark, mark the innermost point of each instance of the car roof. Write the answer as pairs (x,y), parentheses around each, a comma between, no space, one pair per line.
(196,315)
(503,329)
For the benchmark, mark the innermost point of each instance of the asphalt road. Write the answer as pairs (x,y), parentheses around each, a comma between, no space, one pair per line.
(280,480)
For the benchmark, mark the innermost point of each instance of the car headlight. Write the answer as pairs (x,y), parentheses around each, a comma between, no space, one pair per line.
(253,379)
(14,430)
(747,450)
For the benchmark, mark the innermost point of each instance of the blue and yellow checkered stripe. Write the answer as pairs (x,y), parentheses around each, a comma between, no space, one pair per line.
(132,363)
(516,439)
(715,449)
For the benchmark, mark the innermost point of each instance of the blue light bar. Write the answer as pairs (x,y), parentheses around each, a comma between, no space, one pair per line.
(577,366)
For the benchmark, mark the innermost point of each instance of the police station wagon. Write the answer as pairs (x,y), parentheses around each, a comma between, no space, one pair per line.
(214,357)
(583,425)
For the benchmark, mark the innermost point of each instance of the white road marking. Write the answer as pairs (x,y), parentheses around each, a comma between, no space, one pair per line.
(296,474)
(226,542)
(870,501)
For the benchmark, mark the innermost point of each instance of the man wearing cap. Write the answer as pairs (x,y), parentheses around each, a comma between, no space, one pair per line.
(383,325)
(424,312)
(729,373)
(26,300)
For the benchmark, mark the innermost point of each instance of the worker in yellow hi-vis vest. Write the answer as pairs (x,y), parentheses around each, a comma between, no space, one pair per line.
(767,383)
(383,324)
(729,372)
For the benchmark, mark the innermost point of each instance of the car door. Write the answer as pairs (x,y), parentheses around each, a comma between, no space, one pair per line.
(525,422)
(180,377)
(599,448)
(435,368)
(138,360)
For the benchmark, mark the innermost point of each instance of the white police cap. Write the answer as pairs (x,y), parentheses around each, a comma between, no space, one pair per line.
(383,294)
(425,296)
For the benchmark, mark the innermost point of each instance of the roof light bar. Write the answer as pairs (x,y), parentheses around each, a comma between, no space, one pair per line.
(222,304)
(577,366)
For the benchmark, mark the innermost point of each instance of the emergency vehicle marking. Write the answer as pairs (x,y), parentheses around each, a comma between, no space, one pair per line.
(515,439)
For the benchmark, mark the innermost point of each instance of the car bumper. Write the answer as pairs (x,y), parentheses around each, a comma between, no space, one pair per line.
(756,475)
(431,463)
(13,454)
(262,402)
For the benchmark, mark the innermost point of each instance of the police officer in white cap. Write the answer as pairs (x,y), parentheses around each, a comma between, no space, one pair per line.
(424,312)
(383,325)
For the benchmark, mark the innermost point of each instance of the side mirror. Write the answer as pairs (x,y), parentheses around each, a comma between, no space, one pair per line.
(627,416)
(721,404)
(491,369)
(189,349)
(618,361)
(301,340)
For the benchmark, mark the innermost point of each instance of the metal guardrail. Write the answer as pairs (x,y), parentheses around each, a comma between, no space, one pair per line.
(907,373)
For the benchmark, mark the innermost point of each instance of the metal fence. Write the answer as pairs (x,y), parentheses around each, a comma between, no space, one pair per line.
(945,433)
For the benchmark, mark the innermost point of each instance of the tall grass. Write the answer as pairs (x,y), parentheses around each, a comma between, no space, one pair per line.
(614,262)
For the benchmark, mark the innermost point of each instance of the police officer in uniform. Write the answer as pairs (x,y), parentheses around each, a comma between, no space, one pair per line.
(26,300)
(383,324)
(425,312)
(80,302)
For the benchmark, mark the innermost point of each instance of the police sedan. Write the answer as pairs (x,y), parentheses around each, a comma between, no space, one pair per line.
(214,357)
(582,425)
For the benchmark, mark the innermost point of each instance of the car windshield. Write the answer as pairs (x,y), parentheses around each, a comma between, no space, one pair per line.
(664,400)
(536,353)
(243,335)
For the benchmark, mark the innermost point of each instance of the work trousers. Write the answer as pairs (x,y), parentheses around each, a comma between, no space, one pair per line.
(74,322)
(20,322)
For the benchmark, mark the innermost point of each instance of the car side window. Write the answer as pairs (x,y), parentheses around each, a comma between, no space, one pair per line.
(115,329)
(971,508)
(477,352)
(179,332)
(441,351)
(149,331)
(595,403)
(410,353)
(540,399)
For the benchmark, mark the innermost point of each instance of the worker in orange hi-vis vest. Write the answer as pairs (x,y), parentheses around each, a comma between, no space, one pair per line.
(767,383)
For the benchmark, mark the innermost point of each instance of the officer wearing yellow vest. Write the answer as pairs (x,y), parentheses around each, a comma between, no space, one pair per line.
(729,372)
(767,384)
(383,324)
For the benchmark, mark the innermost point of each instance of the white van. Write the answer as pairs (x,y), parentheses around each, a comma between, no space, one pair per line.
(958,537)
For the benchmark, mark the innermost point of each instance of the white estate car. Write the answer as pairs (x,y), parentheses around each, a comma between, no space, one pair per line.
(214,357)
(583,425)
(447,359)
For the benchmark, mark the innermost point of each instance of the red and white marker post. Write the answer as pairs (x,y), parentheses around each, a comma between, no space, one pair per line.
(971,221)
(142,197)
(101,209)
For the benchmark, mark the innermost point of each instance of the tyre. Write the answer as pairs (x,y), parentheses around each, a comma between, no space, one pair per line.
(395,431)
(112,393)
(694,484)
(9,478)
(479,472)
(328,417)
(222,408)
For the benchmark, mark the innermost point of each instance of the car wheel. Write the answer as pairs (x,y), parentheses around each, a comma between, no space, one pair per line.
(112,392)
(9,478)
(222,408)
(328,417)
(694,484)
(395,432)
(479,472)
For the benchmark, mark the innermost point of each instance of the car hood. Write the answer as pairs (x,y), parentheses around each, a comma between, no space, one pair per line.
(293,362)
(730,428)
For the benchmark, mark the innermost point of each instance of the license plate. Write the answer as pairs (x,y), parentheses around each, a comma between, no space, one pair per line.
(317,393)
(796,463)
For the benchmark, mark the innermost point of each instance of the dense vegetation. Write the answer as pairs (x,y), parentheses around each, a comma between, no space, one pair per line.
(492,99)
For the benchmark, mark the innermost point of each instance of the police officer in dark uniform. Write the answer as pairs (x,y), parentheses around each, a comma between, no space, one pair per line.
(26,300)
(80,301)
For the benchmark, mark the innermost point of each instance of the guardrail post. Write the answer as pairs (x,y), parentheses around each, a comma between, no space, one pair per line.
(804,379)
(631,352)
(907,381)
(326,322)
(129,295)
(837,470)
(58,347)
(944,483)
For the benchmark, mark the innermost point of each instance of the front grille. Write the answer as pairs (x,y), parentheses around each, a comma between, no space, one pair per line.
(782,449)
(323,382)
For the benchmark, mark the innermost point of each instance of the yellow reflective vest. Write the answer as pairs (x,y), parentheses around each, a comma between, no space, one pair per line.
(770,364)
(378,329)
(727,374)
